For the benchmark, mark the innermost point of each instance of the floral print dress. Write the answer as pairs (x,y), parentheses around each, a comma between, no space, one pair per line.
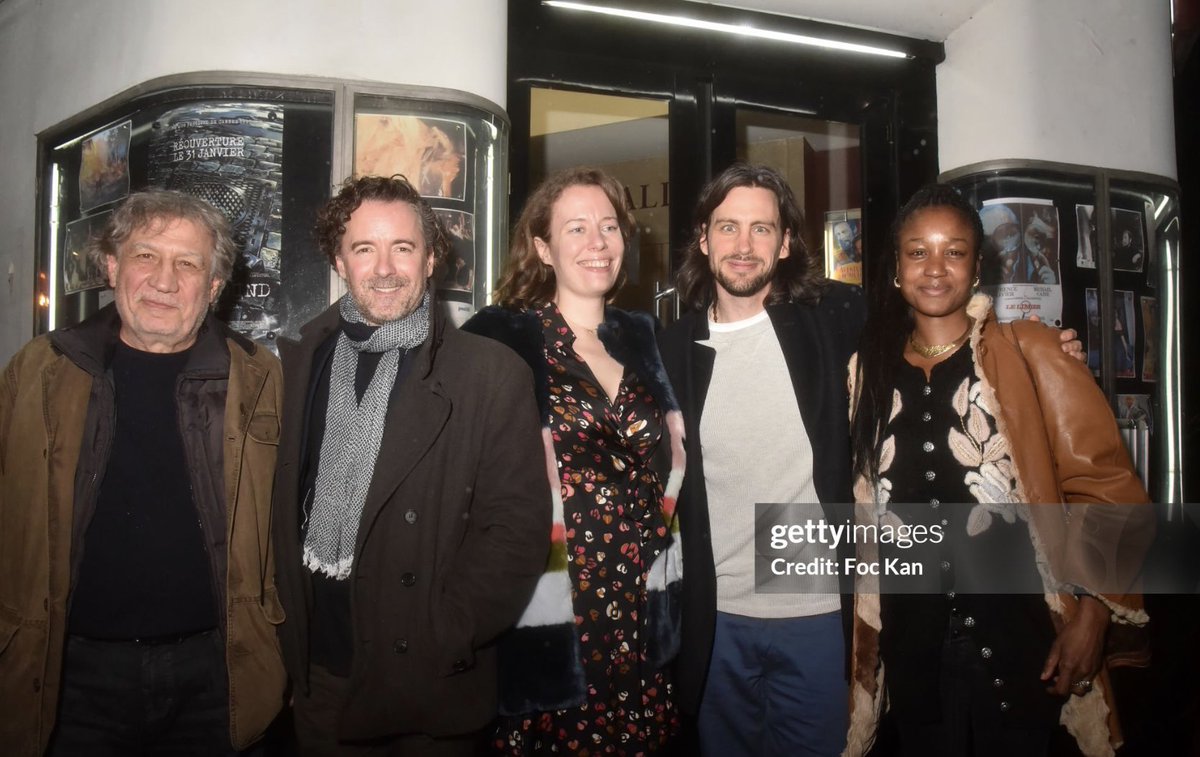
(612,502)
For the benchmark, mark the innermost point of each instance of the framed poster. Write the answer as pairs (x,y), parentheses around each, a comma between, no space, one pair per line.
(429,152)
(104,168)
(231,155)
(80,272)
(1021,266)
(843,245)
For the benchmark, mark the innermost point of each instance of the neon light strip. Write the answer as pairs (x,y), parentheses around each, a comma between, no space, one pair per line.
(742,31)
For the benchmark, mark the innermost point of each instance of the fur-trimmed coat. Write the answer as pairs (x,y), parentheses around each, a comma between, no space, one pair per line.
(1065,448)
(540,664)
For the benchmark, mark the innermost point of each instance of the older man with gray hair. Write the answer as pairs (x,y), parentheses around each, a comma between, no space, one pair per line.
(137,451)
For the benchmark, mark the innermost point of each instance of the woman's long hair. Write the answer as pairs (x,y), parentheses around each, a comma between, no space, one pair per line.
(798,278)
(889,324)
(527,282)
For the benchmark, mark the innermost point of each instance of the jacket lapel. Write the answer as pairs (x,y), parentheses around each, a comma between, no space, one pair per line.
(701,359)
(416,415)
(802,353)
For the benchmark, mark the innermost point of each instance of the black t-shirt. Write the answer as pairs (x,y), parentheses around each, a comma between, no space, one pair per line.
(145,569)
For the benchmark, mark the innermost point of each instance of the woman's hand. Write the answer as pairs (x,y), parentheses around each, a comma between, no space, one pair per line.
(1075,655)
(1070,341)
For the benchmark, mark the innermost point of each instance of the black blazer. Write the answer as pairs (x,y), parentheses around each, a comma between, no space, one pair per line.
(817,341)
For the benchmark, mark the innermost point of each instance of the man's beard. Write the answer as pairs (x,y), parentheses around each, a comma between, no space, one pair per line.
(745,287)
(372,310)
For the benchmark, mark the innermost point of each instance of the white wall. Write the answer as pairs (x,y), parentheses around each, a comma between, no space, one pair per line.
(60,57)
(1075,81)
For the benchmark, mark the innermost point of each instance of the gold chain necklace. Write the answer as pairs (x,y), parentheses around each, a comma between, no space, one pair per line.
(935,350)
(577,328)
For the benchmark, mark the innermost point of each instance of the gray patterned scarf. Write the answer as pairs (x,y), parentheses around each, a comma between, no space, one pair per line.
(353,432)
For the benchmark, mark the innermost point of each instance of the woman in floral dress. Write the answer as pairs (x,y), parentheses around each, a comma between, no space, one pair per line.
(584,671)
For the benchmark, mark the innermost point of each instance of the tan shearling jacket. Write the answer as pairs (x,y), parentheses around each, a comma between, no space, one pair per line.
(53,421)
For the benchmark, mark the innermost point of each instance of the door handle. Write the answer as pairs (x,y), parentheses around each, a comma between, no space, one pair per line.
(669,298)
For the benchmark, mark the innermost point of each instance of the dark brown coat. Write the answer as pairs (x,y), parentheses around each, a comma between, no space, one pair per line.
(453,536)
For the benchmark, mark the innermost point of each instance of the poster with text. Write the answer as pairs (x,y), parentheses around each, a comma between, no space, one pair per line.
(1124,331)
(104,167)
(1021,265)
(1124,324)
(1092,304)
(1149,338)
(843,246)
(79,271)
(430,152)
(231,154)
(454,279)
(1085,232)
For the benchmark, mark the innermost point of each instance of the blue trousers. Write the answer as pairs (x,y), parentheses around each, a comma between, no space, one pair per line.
(123,698)
(776,686)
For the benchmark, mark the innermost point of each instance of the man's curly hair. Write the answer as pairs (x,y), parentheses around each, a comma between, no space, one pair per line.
(333,217)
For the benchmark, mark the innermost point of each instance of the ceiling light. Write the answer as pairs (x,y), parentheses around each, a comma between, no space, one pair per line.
(742,31)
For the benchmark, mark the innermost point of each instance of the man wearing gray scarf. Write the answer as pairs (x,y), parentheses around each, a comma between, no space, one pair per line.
(411,514)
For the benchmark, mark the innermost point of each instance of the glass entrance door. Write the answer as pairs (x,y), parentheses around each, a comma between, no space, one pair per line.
(628,138)
(854,132)
(822,161)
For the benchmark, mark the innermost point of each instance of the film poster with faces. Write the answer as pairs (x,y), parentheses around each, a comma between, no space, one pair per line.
(433,154)
(1128,239)
(843,246)
(231,154)
(79,271)
(1021,265)
(1125,325)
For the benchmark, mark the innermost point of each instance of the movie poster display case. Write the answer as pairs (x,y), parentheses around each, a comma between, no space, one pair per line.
(268,151)
(1096,250)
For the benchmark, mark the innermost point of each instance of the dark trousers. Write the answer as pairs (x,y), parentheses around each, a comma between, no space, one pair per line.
(127,698)
(316,717)
(971,726)
(775,687)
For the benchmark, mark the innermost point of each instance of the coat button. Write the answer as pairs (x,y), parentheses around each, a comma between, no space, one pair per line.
(408,579)
(410,517)
(986,653)
(1005,707)
(460,666)
(998,682)
(969,622)
(927,446)
(400,646)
